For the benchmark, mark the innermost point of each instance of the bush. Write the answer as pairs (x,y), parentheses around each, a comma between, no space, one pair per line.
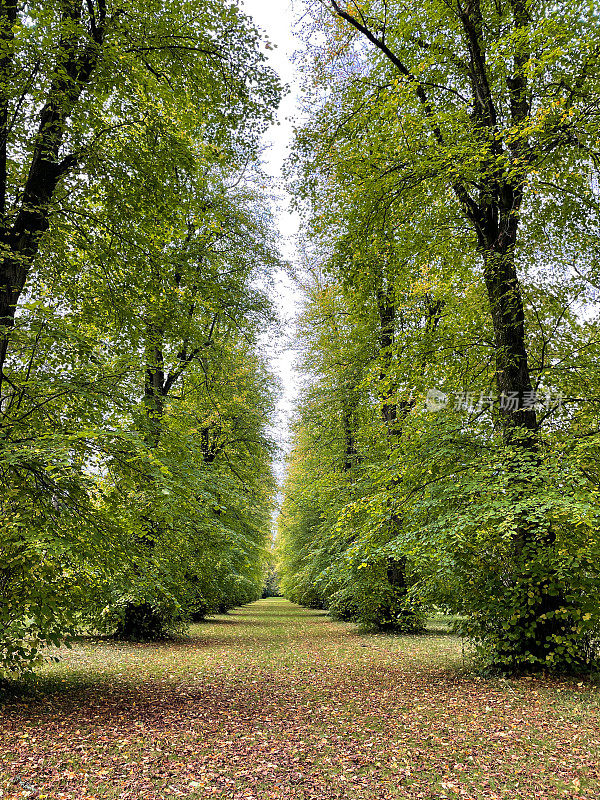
(541,615)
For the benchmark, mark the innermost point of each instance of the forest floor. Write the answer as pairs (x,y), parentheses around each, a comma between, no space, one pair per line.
(275,701)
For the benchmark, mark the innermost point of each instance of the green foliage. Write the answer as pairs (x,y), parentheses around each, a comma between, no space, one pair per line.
(446,172)
(271,580)
(527,608)
(332,529)
(134,460)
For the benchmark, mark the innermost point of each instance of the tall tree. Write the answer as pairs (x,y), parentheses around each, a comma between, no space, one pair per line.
(74,74)
(486,116)
(114,268)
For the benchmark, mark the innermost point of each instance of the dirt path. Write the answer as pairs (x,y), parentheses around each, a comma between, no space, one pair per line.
(274,701)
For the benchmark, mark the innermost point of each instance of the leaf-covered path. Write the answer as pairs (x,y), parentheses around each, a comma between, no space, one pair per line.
(274,701)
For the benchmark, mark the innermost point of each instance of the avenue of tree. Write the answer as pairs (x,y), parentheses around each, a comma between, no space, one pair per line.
(136,252)
(446,442)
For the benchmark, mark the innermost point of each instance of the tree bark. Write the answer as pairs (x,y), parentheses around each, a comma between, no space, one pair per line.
(386,307)
(513,378)
(350,452)
(155,391)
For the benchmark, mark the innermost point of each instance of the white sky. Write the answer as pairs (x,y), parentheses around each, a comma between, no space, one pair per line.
(276,18)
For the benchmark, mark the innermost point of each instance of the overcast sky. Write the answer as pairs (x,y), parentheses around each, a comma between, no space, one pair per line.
(276,18)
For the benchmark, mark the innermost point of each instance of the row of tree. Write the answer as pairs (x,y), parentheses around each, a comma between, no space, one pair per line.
(135,465)
(446,444)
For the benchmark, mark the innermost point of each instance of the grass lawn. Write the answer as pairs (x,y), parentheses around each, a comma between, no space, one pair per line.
(275,701)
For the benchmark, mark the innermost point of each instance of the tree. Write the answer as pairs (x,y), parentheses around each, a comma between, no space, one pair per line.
(125,126)
(331,537)
(62,70)
(483,118)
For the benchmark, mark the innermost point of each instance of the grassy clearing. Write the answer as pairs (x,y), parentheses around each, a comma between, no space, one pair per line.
(274,701)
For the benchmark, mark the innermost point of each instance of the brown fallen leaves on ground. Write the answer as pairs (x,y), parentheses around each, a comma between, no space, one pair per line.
(274,701)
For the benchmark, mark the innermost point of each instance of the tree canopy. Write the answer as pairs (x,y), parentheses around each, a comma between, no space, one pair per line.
(448,175)
(137,247)
(445,443)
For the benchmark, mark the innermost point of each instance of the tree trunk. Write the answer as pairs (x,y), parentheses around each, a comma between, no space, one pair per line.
(154,384)
(141,620)
(396,568)
(533,578)
(350,452)
(497,244)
